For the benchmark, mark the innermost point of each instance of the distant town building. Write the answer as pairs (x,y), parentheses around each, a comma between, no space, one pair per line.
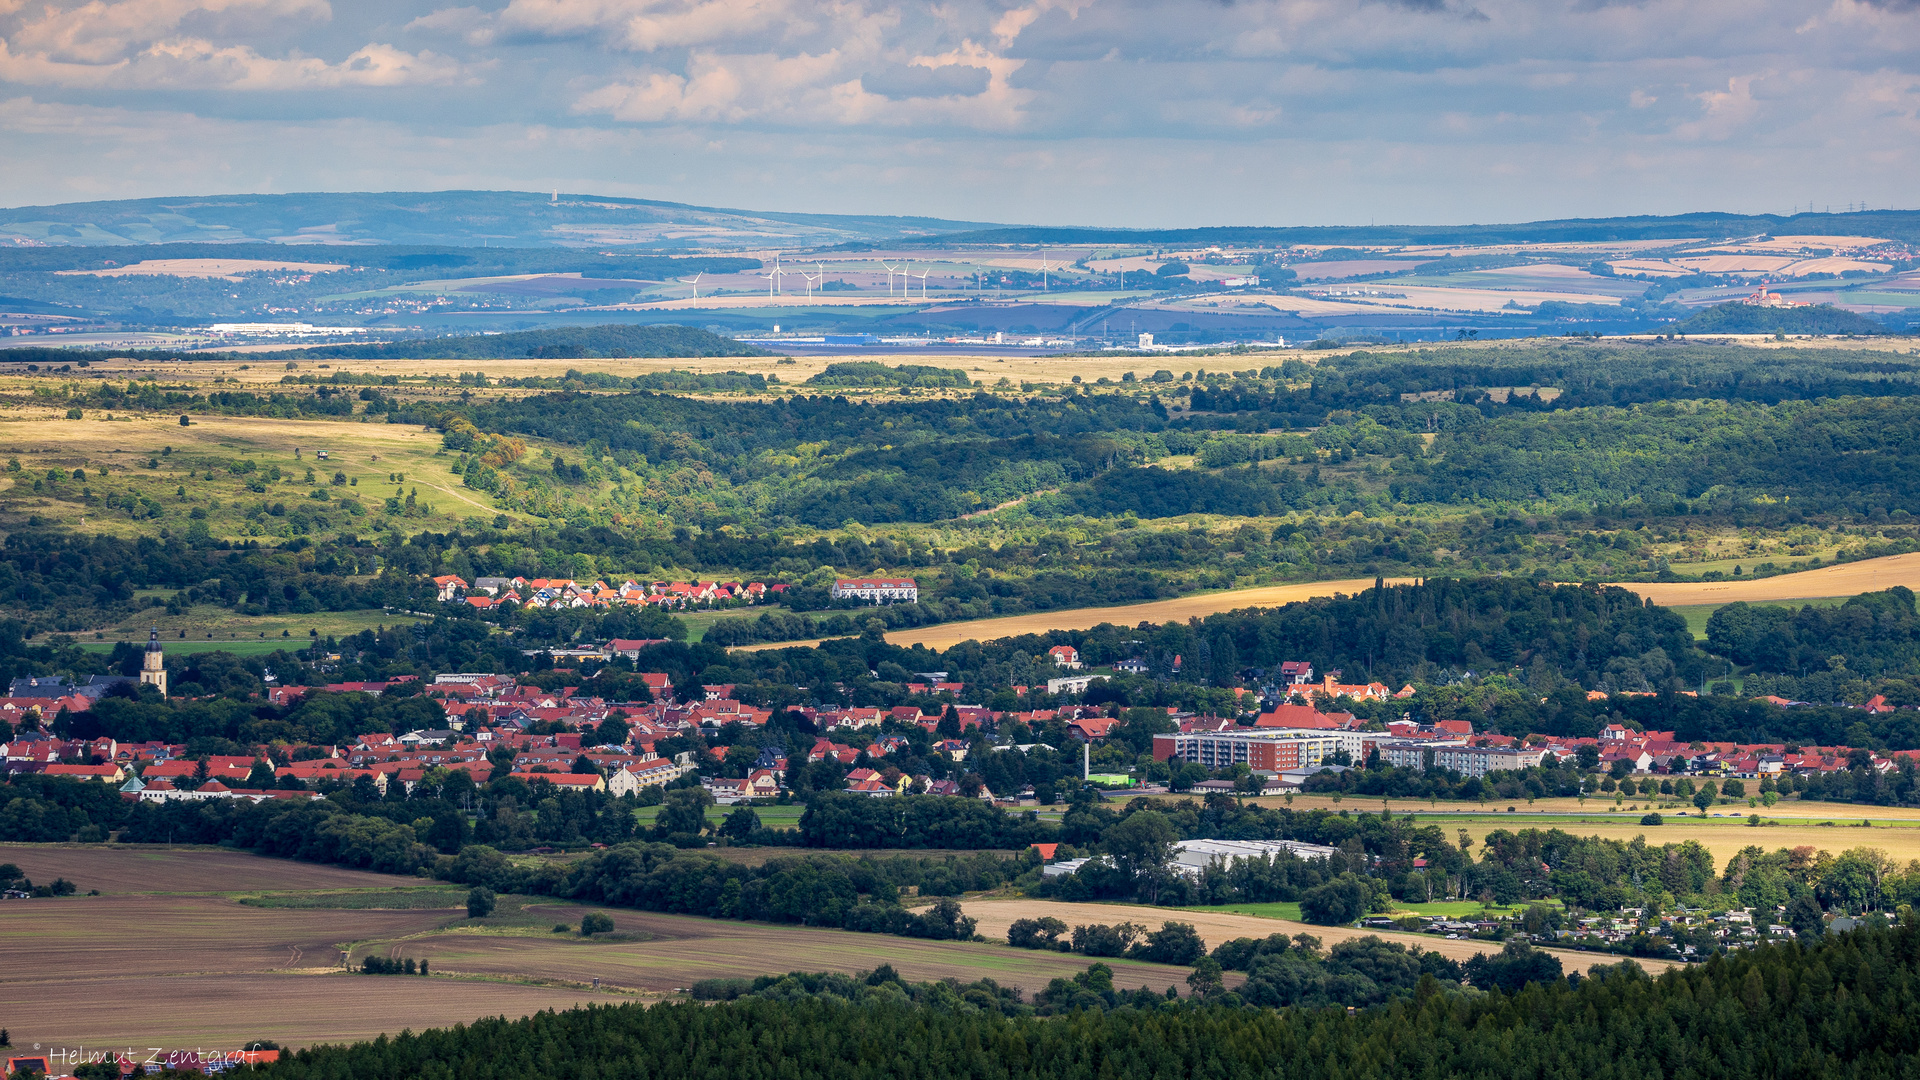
(153,666)
(877,590)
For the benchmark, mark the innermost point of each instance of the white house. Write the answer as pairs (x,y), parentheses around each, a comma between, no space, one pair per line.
(877,590)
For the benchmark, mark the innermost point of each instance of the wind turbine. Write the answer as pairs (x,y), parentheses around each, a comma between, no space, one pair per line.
(811,278)
(1043,269)
(693,281)
(923,283)
(773,276)
(890,269)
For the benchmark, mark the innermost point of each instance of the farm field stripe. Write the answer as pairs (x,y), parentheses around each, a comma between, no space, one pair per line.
(1845,579)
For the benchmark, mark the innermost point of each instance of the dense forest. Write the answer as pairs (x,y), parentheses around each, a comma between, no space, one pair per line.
(1833,1008)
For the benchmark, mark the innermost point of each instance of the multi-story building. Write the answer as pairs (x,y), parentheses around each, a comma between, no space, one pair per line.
(877,590)
(1458,756)
(1261,749)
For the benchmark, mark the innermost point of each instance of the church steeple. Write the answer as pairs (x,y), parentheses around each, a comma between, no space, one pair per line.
(153,666)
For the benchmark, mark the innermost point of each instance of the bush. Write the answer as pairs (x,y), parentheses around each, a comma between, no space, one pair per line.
(1112,940)
(1173,943)
(1652,819)
(386,965)
(480,902)
(1337,903)
(721,989)
(1041,933)
(596,923)
(1517,965)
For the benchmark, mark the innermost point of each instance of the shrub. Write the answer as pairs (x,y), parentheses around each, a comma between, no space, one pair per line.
(480,902)
(1652,819)
(1173,943)
(1338,902)
(1041,933)
(1098,940)
(596,923)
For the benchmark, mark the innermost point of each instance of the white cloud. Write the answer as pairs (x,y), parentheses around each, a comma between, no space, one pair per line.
(469,24)
(195,62)
(105,33)
(1418,91)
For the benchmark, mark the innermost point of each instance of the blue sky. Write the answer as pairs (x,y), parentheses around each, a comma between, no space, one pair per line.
(1107,112)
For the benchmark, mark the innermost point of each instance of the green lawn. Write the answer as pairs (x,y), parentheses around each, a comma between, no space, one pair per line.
(773,817)
(236,646)
(1289,911)
(1460,909)
(698,621)
(1698,614)
(1441,909)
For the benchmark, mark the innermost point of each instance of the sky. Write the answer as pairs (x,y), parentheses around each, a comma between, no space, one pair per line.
(1086,112)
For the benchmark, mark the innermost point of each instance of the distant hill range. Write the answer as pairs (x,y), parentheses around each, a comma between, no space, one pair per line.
(451,218)
(522,219)
(1889,224)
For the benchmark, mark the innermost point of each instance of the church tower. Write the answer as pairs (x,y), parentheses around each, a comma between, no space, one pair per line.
(153,668)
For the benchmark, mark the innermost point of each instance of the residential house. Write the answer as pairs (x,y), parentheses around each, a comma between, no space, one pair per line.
(877,590)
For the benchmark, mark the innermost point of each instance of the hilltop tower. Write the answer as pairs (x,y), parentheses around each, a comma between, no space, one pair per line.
(153,667)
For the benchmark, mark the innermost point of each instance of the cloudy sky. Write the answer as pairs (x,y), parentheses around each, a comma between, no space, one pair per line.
(1112,112)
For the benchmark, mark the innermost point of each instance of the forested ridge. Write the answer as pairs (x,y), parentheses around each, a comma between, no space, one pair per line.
(1836,1009)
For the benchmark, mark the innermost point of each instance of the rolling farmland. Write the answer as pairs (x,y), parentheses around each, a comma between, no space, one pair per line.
(209,948)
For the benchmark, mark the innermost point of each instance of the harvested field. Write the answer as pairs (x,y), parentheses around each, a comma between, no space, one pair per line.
(148,869)
(182,970)
(1726,839)
(1218,926)
(225,1011)
(104,936)
(947,635)
(684,948)
(1845,579)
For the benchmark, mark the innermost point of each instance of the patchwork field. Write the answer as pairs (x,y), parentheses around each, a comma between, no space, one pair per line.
(208,948)
(683,948)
